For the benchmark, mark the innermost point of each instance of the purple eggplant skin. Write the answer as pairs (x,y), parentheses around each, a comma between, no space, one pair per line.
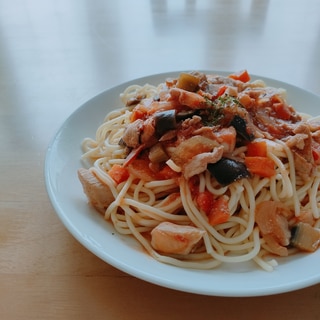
(241,127)
(228,170)
(165,121)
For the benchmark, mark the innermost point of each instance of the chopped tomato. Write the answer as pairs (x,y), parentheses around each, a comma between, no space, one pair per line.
(167,173)
(316,155)
(205,201)
(257,149)
(227,138)
(222,90)
(139,112)
(242,75)
(282,111)
(140,168)
(261,166)
(119,173)
(219,212)
(316,152)
(193,183)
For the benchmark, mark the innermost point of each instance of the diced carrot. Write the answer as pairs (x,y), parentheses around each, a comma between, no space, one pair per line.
(119,173)
(219,212)
(257,149)
(261,166)
(242,75)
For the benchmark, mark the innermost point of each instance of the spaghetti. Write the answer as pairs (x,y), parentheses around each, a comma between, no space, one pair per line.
(197,167)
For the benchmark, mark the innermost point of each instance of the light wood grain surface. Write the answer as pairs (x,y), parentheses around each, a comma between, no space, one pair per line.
(54,56)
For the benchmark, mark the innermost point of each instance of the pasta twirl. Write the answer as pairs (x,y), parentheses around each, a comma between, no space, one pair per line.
(205,169)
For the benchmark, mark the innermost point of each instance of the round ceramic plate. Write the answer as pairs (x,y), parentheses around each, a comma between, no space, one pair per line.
(123,252)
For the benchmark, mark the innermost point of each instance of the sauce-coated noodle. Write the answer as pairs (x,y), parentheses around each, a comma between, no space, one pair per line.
(141,204)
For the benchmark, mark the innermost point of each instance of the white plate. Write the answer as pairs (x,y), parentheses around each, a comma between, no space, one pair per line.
(123,252)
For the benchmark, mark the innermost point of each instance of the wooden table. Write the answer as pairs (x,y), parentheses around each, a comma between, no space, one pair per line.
(54,56)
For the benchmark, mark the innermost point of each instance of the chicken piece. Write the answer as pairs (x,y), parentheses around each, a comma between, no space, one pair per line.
(99,195)
(171,238)
(131,136)
(304,168)
(305,149)
(272,219)
(274,245)
(316,136)
(297,141)
(221,80)
(224,136)
(302,151)
(135,100)
(314,124)
(187,98)
(227,138)
(189,148)
(148,133)
(200,161)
